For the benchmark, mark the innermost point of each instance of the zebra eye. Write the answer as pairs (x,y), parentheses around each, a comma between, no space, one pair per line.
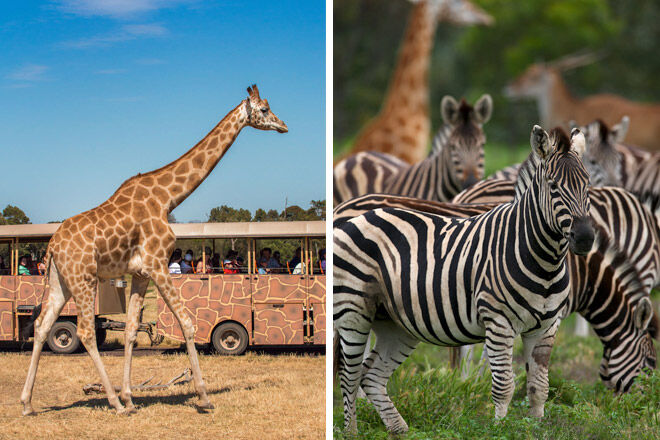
(553,185)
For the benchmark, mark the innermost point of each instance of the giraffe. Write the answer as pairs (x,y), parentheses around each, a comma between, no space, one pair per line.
(129,233)
(403,126)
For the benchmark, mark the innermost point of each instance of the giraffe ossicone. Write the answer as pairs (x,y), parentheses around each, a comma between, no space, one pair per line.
(129,234)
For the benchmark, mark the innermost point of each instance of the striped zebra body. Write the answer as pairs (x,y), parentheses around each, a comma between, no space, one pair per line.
(411,276)
(455,161)
(605,288)
(628,222)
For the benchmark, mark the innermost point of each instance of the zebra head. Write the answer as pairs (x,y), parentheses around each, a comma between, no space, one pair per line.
(563,184)
(461,141)
(630,350)
(601,158)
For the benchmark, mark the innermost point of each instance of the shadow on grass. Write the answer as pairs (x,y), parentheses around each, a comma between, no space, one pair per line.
(146,401)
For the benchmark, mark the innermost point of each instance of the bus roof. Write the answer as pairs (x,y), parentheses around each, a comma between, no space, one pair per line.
(316,229)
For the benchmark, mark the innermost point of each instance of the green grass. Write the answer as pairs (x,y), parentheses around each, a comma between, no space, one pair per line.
(436,403)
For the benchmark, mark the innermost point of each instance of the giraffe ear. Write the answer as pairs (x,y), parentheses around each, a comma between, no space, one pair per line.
(483,109)
(540,142)
(449,110)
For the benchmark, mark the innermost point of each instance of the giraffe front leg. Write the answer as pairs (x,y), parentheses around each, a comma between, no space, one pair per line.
(161,278)
(499,343)
(138,289)
(537,357)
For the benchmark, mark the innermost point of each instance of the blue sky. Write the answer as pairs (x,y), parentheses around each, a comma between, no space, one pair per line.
(95,91)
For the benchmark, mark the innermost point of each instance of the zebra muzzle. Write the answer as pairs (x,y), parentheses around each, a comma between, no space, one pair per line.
(581,237)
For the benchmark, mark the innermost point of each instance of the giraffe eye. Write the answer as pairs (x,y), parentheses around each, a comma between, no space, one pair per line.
(264,110)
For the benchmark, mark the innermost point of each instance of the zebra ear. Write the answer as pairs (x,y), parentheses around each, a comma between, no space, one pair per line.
(540,142)
(449,110)
(619,131)
(483,109)
(578,143)
(643,313)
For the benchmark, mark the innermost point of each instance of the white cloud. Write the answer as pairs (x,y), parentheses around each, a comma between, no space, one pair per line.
(114,8)
(127,32)
(28,73)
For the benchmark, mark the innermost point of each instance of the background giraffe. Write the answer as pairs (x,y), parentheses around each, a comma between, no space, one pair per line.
(129,233)
(403,126)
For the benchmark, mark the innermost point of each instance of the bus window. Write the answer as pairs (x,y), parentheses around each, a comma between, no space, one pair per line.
(211,255)
(5,258)
(317,253)
(278,256)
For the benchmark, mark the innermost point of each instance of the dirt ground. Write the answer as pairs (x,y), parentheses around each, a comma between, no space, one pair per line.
(255,396)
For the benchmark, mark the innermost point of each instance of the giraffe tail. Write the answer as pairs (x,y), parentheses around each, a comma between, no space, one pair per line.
(28,328)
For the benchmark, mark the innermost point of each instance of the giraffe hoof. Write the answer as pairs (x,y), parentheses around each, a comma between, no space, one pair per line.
(28,411)
(127,411)
(205,406)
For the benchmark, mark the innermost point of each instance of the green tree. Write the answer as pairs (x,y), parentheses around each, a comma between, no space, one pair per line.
(13,215)
(317,209)
(226,213)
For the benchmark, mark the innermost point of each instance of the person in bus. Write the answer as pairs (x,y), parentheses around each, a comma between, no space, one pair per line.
(295,260)
(240,262)
(23,266)
(215,263)
(230,264)
(263,268)
(322,259)
(274,262)
(200,267)
(41,267)
(187,262)
(264,256)
(175,262)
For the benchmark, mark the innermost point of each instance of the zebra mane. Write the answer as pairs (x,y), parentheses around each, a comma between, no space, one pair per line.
(603,129)
(440,139)
(559,139)
(465,127)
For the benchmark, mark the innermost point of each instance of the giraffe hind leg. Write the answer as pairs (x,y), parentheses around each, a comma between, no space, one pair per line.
(393,346)
(58,295)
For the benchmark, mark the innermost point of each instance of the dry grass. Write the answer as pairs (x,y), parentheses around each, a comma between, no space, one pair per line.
(255,396)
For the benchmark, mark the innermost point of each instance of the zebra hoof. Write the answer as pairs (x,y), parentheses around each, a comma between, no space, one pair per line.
(536,412)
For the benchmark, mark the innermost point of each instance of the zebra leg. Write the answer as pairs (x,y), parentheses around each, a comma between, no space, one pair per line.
(393,346)
(537,355)
(581,326)
(352,329)
(499,343)
(361,394)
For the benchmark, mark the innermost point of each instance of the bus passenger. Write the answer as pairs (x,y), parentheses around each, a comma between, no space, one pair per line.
(230,264)
(215,263)
(322,259)
(264,256)
(175,262)
(3,268)
(296,259)
(200,267)
(240,262)
(263,268)
(41,267)
(23,266)
(274,262)
(187,262)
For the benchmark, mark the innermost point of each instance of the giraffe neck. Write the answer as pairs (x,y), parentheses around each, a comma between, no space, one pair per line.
(408,92)
(556,106)
(175,181)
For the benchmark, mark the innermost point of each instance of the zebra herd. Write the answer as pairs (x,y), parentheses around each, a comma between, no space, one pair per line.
(510,255)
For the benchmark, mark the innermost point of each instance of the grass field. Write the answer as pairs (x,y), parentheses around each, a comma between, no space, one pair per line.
(436,403)
(255,396)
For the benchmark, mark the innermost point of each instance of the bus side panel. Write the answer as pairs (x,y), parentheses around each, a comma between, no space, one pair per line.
(194,292)
(231,300)
(279,288)
(7,287)
(317,300)
(278,324)
(6,320)
(30,291)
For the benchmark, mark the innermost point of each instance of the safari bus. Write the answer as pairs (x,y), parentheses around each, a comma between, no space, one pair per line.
(235,297)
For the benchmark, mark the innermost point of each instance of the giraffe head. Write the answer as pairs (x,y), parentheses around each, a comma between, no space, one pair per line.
(259,114)
(463,146)
(458,12)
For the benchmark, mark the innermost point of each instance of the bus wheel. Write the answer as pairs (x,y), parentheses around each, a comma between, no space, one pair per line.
(230,338)
(62,338)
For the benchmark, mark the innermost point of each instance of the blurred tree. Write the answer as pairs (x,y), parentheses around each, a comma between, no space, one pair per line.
(470,61)
(13,215)
(226,213)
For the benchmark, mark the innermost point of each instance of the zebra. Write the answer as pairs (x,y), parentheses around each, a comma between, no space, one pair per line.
(605,289)
(414,276)
(456,160)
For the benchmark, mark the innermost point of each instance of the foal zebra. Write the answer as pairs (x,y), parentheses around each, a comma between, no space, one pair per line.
(605,289)
(456,160)
(414,276)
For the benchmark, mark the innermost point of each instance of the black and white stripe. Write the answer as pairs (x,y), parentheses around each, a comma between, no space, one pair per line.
(605,289)
(456,160)
(411,276)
